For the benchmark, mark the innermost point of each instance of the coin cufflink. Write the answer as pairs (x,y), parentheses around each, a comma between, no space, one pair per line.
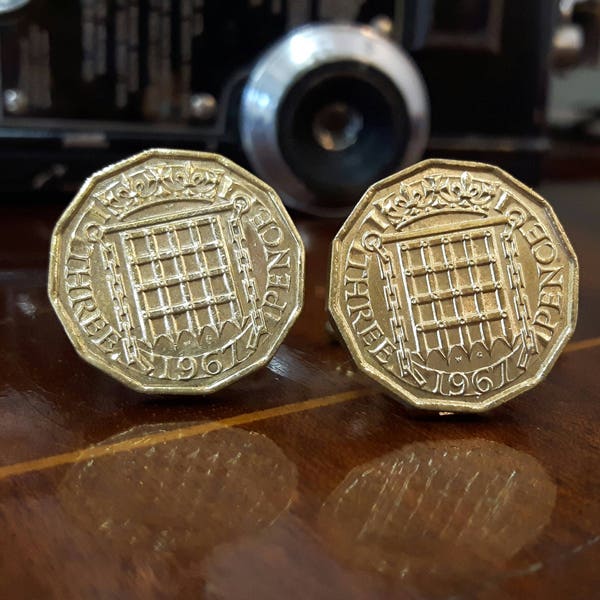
(453,285)
(176,271)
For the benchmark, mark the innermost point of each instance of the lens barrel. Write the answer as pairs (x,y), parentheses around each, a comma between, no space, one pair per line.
(330,109)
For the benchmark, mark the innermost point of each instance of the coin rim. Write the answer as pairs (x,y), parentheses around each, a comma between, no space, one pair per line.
(71,328)
(398,389)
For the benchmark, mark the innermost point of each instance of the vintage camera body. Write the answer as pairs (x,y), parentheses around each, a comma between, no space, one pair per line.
(320,98)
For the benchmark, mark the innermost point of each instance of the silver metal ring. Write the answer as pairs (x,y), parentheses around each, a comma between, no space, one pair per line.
(298,53)
(7,6)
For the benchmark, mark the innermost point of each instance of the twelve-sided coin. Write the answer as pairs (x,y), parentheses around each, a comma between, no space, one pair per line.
(176,271)
(453,285)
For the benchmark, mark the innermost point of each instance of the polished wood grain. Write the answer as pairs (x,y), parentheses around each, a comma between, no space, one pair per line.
(301,481)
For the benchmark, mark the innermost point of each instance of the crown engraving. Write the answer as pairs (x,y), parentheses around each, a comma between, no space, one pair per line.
(158,184)
(436,192)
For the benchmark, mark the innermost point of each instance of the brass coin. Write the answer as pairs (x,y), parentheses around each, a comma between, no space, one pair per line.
(453,285)
(176,271)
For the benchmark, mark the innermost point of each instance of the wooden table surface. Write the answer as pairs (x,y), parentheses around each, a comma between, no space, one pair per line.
(300,481)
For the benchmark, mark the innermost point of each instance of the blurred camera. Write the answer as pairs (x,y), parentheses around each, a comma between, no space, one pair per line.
(318,97)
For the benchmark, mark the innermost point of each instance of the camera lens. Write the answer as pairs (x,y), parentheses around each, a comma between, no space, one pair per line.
(341,127)
(329,110)
(336,126)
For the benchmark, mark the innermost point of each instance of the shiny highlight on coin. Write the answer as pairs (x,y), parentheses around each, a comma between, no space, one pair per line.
(176,271)
(453,285)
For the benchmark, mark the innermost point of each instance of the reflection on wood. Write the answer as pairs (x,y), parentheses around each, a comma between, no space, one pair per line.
(185,496)
(436,516)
